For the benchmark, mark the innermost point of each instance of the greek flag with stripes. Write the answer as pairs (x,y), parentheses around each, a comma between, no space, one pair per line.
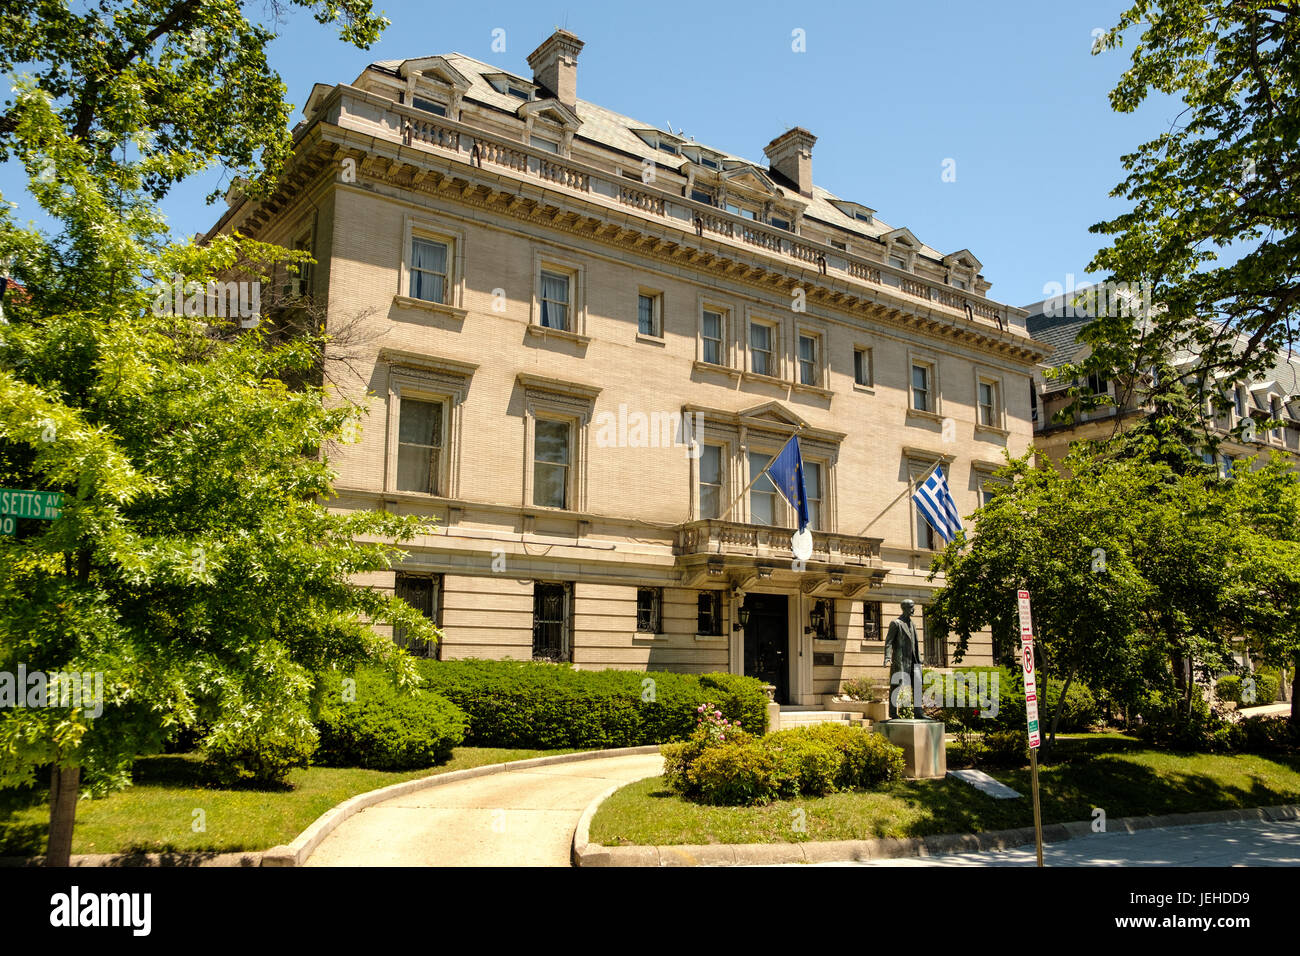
(935,502)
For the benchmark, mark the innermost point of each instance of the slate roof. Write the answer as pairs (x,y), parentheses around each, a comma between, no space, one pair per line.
(615,131)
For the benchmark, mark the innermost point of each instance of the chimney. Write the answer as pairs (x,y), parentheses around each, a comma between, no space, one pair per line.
(555,66)
(790,154)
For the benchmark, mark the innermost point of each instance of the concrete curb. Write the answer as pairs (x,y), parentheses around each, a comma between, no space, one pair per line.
(586,853)
(296,853)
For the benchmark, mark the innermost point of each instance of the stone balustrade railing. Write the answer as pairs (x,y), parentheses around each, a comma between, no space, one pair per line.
(484,149)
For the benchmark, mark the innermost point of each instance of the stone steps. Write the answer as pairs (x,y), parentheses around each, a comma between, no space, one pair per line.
(808,718)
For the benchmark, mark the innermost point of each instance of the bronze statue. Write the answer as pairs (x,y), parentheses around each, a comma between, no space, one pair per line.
(903,656)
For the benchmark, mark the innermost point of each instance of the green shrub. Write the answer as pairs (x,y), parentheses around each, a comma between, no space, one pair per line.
(1265,689)
(1006,748)
(261,751)
(385,727)
(736,775)
(804,764)
(1228,688)
(1080,711)
(862,688)
(550,706)
(869,759)
(1267,735)
(743,699)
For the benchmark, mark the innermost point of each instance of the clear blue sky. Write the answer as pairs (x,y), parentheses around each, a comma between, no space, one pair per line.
(1009,90)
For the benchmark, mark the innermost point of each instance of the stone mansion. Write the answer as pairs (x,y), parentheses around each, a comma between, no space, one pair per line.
(584,336)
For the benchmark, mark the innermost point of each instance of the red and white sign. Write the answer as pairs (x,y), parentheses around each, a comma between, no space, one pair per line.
(1027,667)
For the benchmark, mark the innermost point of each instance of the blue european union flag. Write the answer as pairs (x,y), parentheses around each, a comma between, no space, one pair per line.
(786,472)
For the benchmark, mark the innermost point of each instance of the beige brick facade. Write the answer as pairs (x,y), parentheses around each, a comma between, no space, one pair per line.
(616,221)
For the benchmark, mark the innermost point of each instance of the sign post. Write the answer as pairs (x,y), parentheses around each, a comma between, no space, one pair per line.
(42,505)
(1031,708)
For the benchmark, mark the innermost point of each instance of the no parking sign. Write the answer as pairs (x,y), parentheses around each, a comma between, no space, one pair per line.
(1027,667)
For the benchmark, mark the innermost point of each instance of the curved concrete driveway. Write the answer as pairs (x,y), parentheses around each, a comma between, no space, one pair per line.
(514,818)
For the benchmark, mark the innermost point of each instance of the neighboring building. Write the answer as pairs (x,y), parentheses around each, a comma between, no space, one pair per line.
(551,289)
(1273,396)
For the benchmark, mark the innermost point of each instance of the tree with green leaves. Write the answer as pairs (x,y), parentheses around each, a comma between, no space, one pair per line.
(1142,576)
(184,79)
(196,564)
(1062,537)
(1215,202)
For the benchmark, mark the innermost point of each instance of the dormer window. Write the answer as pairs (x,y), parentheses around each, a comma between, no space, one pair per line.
(856,211)
(511,86)
(736,209)
(664,142)
(702,156)
(428,106)
(898,262)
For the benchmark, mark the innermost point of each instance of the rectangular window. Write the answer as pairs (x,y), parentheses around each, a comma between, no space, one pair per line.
(780,223)
(761,359)
(1097,385)
(303,244)
(702,195)
(711,330)
(551,463)
(419,446)
(809,369)
(537,142)
(649,610)
(710,481)
(898,262)
(842,246)
(988,404)
(824,615)
(555,301)
(648,314)
(762,496)
(871,620)
(812,484)
(921,386)
(429,106)
(959,283)
(1033,402)
(708,617)
(1275,413)
(738,210)
(1240,395)
(422,593)
(936,644)
(519,93)
(862,367)
(552,605)
(428,270)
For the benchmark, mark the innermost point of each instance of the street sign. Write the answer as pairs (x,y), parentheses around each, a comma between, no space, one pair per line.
(43,505)
(8,524)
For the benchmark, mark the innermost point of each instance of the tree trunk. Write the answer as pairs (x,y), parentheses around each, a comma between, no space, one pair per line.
(65,786)
(1060,703)
(1295,692)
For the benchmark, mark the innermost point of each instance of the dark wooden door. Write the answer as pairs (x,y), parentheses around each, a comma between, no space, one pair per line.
(767,640)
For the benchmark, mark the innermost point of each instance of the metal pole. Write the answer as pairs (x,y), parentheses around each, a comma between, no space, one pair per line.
(1038,816)
(910,485)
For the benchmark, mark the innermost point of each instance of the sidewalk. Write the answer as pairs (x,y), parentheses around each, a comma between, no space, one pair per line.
(1215,844)
(516,818)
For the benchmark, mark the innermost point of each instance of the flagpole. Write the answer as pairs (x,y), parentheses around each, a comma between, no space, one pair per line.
(911,483)
(736,500)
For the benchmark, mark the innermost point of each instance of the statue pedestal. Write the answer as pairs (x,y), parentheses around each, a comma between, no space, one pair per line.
(924,754)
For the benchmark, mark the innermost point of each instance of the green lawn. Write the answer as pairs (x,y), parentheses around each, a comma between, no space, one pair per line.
(1118,774)
(157,813)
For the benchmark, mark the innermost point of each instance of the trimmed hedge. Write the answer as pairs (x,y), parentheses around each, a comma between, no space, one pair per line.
(809,761)
(1232,686)
(549,706)
(385,727)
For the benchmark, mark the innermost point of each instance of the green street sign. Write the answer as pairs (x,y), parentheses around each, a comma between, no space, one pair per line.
(43,505)
(8,524)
